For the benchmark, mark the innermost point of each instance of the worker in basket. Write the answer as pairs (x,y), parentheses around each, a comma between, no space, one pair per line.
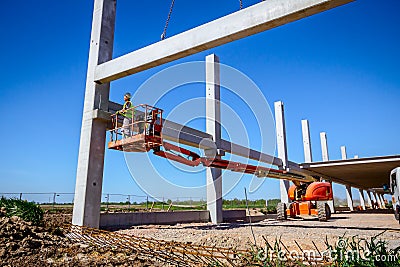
(127,113)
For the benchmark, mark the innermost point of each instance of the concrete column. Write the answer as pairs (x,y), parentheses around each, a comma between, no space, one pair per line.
(382,201)
(282,147)
(305,129)
(89,177)
(324,146)
(343,152)
(213,127)
(325,157)
(362,200)
(369,202)
(377,200)
(349,195)
(349,198)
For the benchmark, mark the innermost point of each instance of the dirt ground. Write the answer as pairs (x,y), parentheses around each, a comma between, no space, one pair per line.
(22,244)
(303,231)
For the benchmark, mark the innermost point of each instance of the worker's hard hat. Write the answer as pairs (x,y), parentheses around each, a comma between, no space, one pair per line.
(128,95)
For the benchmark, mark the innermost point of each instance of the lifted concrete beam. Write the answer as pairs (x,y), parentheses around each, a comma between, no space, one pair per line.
(249,21)
(176,132)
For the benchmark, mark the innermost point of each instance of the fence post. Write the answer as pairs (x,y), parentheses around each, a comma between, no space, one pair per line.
(20,196)
(108,199)
(54,200)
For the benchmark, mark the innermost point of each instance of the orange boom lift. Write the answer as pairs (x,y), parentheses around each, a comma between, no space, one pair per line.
(309,196)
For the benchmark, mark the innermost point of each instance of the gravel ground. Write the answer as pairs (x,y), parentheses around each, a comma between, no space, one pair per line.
(303,231)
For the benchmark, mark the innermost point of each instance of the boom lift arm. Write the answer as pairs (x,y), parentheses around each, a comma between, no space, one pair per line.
(145,134)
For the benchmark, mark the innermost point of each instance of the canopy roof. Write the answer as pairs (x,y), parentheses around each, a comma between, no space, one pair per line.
(365,173)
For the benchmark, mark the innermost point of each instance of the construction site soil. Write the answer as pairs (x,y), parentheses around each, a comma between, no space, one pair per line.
(239,235)
(22,244)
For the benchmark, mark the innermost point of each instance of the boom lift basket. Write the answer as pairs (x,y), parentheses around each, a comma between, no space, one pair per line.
(141,133)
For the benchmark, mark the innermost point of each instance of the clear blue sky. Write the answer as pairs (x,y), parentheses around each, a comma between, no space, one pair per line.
(339,69)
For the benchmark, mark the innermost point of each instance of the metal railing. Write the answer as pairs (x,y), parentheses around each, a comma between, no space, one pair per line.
(145,120)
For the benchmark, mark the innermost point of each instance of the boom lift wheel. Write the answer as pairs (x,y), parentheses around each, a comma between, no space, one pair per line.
(281,211)
(397,213)
(324,212)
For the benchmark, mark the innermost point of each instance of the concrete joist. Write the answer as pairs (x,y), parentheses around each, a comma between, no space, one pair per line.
(254,19)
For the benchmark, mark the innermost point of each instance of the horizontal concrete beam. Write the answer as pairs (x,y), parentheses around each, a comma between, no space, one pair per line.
(249,21)
(242,151)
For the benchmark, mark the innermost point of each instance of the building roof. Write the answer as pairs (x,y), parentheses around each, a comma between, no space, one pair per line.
(365,173)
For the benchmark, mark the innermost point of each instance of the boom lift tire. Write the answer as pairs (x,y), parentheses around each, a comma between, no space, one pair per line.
(397,213)
(281,211)
(324,212)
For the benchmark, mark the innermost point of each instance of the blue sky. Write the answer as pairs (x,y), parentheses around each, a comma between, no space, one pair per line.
(339,69)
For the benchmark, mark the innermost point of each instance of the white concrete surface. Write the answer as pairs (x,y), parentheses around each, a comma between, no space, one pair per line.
(305,129)
(213,128)
(254,19)
(281,147)
(89,177)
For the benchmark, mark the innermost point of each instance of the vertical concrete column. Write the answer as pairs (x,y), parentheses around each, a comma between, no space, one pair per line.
(213,127)
(377,200)
(282,147)
(343,152)
(89,176)
(369,202)
(305,129)
(381,197)
(325,157)
(349,198)
(324,146)
(362,200)
(349,195)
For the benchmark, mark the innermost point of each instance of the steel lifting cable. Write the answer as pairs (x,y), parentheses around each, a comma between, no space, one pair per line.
(241,4)
(163,35)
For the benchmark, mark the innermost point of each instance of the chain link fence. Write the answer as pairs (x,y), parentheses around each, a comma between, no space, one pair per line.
(113,202)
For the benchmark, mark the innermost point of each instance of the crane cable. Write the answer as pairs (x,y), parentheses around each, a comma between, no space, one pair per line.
(163,35)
